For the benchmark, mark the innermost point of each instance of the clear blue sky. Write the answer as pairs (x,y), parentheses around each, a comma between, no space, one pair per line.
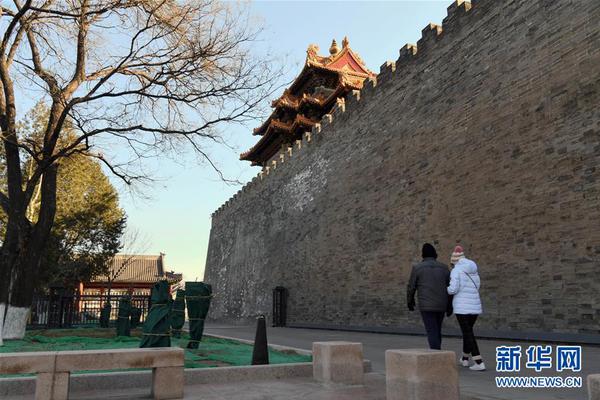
(174,214)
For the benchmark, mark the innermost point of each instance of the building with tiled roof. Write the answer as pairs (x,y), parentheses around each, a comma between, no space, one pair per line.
(131,273)
(323,81)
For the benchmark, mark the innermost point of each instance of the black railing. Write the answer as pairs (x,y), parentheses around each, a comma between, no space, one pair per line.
(65,311)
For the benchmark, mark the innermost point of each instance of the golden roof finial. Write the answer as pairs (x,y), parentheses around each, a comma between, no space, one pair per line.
(334,48)
(345,42)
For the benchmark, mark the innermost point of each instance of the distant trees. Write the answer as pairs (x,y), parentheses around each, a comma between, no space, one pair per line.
(89,223)
(135,78)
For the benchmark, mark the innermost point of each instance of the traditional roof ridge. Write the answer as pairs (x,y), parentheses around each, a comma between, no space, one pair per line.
(128,268)
(295,102)
(364,71)
(313,59)
(263,126)
(147,256)
(299,120)
(327,63)
(340,71)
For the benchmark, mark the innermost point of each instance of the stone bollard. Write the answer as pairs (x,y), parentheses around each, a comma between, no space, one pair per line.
(338,362)
(419,374)
(593,384)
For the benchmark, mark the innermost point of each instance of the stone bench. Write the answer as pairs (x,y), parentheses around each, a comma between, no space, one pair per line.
(338,362)
(593,384)
(53,369)
(40,363)
(419,374)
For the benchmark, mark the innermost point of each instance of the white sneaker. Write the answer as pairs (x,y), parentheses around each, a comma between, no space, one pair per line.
(477,367)
(464,363)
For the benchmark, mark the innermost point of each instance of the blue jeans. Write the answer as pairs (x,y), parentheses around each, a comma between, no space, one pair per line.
(433,325)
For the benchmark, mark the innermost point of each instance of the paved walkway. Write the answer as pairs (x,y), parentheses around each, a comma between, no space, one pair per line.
(289,389)
(478,385)
(281,389)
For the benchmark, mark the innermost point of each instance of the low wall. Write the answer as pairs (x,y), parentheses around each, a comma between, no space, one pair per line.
(82,383)
(143,379)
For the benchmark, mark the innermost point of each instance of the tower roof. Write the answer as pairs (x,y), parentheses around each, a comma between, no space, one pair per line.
(312,94)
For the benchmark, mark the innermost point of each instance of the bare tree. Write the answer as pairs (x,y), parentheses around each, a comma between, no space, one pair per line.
(142,75)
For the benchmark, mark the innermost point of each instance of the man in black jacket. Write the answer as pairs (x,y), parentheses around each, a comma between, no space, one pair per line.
(429,279)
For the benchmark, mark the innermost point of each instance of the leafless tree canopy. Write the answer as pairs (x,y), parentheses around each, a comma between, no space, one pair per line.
(150,72)
(145,75)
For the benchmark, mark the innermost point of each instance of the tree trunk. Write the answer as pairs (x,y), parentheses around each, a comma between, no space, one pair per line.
(14,312)
(21,257)
(12,315)
(2,308)
(8,258)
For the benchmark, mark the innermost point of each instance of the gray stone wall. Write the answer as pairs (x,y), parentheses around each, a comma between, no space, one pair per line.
(488,135)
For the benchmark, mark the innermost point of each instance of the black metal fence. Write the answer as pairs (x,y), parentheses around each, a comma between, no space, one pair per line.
(66,311)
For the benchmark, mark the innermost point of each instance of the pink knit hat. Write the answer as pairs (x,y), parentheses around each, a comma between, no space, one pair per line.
(457,254)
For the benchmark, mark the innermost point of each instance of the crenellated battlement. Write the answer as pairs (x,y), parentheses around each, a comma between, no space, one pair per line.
(430,35)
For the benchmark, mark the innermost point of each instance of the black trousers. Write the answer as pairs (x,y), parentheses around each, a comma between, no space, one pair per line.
(433,326)
(466,322)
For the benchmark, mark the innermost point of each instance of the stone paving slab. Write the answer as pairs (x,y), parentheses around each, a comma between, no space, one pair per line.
(287,389)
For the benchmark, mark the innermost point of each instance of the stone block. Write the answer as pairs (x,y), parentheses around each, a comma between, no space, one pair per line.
(338,362)
(118,358)
(593,384)
(419,374)
(52,386)
(167,383)
(27,363)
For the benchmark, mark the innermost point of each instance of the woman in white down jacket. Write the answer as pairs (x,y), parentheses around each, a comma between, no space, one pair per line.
(464,285)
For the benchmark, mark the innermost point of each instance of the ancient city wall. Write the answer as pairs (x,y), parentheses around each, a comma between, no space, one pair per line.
(487,133)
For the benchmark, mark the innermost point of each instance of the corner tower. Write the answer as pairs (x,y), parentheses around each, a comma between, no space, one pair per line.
(322,81)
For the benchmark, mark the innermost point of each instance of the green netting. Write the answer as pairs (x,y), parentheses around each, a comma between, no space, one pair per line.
(156,331)
(213,352)
(105,315)
(123,323)
(136,315)
(222,352)
(178,313)
(197,297)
